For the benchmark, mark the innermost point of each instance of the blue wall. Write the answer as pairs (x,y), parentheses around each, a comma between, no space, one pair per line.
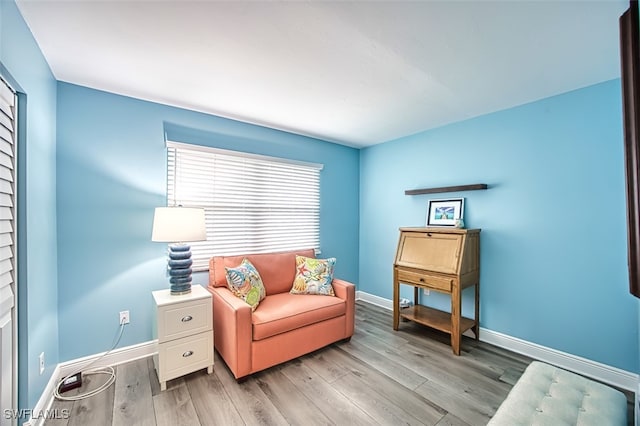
(22,62)
(111,175)
(553,242)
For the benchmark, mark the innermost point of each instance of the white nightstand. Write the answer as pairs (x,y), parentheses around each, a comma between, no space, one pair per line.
(184,329)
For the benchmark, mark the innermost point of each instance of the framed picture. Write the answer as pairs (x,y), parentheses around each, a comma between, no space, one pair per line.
(445,212)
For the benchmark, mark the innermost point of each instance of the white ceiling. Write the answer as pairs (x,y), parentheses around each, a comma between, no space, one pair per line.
(352,72)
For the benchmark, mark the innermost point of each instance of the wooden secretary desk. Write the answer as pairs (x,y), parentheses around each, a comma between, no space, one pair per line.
(446,260)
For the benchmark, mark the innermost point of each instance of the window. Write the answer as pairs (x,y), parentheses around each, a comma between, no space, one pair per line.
(253,204)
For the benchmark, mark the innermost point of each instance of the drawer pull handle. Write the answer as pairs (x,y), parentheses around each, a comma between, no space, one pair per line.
(187,354)
(421,280)
(187,318)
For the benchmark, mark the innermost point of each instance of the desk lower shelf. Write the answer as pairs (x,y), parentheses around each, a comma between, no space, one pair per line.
(434,318)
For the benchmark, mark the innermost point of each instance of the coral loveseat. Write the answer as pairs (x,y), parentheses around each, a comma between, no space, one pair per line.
(284,326)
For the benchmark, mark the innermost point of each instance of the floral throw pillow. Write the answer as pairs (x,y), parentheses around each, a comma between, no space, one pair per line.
(313,276)
(244,281)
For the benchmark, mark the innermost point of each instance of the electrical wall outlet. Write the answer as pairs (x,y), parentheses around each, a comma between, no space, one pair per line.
(425,291)
(41,359)
(124,317)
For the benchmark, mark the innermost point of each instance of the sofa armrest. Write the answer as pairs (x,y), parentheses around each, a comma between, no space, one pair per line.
(346,291)
(232,330)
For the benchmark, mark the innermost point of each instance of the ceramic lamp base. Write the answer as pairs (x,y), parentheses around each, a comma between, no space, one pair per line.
(180,268)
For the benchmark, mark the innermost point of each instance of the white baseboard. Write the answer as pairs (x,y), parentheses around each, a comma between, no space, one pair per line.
(586,367)
(375,300)
(44,403)
(115,357)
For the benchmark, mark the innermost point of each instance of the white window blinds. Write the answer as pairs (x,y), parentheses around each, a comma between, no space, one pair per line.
(253,204)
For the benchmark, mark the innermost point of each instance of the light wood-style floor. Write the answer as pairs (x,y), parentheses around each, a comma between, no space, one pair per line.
(383,377)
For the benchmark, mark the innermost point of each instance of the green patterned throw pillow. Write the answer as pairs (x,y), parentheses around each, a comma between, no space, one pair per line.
(313,276)
(244,281)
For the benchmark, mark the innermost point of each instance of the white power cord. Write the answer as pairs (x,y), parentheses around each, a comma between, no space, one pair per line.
(109,371)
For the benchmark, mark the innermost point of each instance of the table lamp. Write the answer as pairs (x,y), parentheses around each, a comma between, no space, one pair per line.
(178,225)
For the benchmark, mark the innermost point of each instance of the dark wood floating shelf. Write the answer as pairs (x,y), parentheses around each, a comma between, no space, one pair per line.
(474,187)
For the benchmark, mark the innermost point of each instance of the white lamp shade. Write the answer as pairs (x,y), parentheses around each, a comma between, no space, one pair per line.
(178,224)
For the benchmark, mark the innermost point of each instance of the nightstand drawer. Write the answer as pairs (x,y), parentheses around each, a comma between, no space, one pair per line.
(182,356)
(184,319)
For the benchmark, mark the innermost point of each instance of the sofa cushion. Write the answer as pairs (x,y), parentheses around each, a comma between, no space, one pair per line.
(313,276)
(276,269)
(244,281)
(284,312)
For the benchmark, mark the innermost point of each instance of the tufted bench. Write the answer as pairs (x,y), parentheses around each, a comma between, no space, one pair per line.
(546,395)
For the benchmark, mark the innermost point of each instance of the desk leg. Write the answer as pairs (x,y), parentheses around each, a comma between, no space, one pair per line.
(456,308)
(396,300)
(476,328)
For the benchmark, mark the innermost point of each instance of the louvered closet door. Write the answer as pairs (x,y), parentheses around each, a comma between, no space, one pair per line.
(7,250)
